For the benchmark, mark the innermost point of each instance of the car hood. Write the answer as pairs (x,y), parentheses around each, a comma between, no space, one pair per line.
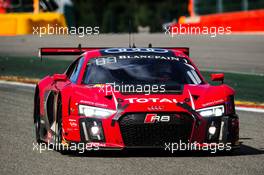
(196,96)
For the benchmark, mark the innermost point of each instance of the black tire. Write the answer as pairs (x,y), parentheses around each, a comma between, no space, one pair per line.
(58,140)
(37,119)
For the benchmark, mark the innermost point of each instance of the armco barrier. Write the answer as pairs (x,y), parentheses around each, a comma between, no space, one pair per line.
(246,21)
(23,23)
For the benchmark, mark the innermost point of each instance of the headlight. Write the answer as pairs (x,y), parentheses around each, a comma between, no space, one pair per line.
(90,111)
(214,111)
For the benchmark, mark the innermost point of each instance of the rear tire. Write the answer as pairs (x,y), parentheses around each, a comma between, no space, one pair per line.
(37,119)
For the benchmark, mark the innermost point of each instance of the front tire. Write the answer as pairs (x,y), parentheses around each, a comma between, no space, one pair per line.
(58,139)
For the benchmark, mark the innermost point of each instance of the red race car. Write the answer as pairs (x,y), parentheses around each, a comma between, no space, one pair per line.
(116,98)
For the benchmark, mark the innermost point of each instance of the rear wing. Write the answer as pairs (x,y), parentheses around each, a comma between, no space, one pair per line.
(63,51)
(185,50)
(67,51)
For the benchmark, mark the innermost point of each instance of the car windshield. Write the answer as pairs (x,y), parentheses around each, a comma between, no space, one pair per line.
(113,69)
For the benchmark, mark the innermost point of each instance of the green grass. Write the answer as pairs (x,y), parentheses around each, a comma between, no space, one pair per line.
(248,87)
(31,67)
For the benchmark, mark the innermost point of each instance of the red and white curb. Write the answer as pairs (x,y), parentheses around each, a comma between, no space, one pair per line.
(238,107)
(249,109)
(17,84)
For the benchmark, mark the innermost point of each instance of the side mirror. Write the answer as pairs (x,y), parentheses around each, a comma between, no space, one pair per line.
(218,77)
(59,77)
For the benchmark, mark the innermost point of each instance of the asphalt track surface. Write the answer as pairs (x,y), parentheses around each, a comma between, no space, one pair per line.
(18,157)
(231,53)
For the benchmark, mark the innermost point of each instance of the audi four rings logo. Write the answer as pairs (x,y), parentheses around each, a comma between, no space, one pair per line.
(155,108)
(154,118)
(131,50)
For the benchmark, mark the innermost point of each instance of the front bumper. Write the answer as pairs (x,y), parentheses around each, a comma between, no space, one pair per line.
(130,131)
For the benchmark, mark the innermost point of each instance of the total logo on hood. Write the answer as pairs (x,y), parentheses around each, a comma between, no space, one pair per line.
(150,100)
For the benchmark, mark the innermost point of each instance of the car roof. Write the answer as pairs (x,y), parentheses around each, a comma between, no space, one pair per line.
(138,51)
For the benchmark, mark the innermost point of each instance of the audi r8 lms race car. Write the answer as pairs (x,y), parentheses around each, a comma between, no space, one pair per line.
(117,98)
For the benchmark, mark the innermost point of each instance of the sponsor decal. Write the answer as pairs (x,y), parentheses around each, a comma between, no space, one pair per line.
(105,60)
(93,103)
(148,57)
(114,59)
(154,118)
(73,124)
(213,102)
